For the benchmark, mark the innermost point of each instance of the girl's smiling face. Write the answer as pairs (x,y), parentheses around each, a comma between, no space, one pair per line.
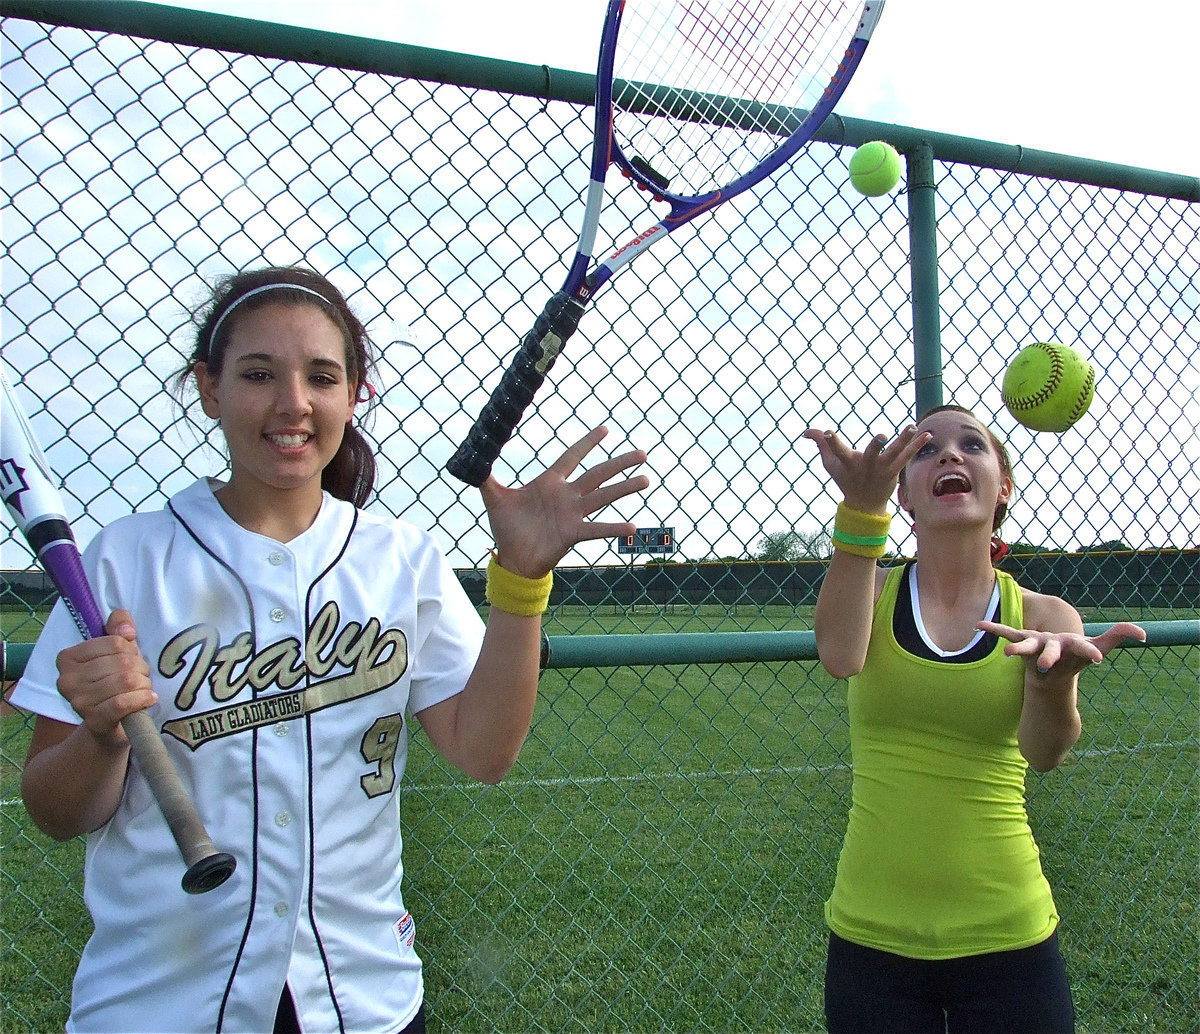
(961,473)
(283,397)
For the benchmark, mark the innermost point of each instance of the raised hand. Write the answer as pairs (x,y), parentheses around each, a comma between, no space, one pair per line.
(536,524)
(1066,653)
(867,479)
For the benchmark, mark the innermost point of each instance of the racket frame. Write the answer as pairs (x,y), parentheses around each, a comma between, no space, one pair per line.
(582,285)
(539,348)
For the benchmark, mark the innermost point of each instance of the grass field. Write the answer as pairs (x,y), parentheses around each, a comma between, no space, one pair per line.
(658,859)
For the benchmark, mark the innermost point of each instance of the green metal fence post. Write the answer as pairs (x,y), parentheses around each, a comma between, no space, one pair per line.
(926,312)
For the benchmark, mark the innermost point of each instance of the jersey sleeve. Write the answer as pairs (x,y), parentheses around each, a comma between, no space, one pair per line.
(450,634)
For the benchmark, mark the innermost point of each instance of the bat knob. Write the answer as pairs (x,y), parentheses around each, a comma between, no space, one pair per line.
(209,873)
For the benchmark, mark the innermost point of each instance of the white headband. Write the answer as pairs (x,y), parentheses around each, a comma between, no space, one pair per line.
(282,286)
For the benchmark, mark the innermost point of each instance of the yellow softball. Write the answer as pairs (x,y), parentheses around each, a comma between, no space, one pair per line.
(1048,386)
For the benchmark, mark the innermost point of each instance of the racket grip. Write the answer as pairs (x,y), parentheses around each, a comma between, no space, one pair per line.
(473,460)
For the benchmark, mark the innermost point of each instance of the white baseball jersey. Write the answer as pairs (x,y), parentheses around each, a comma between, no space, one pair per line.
(285,674)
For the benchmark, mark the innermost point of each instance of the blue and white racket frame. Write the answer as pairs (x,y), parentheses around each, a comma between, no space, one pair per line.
(473,460)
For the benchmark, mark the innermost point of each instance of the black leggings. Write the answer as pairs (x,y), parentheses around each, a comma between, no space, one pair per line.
(287,1023)
(875,992)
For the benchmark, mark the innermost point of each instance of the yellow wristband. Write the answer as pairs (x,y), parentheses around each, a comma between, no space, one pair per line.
(514,594)
(859,533)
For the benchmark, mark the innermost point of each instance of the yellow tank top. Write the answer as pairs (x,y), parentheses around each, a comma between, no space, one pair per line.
(938,860)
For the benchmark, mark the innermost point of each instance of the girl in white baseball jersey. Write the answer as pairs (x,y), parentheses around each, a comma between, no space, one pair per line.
(940,917)
(282,637)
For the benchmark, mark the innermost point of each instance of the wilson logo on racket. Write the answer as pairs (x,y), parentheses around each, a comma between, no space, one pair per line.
(639,239)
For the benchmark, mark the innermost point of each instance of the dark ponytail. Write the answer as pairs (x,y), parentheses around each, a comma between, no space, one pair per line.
(350,475)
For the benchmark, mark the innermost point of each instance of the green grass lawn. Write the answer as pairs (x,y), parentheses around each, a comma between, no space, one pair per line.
(659,856)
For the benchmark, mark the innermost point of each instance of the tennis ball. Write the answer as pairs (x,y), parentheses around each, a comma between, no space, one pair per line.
(1048,386)
(875,168)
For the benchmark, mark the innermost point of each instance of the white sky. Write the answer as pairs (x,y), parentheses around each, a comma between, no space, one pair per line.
(1077,77)
(910,77)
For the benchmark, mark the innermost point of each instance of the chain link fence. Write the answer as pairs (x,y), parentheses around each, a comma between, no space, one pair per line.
(658,859)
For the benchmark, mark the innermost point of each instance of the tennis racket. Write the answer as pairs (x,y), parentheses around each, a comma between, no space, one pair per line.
(35,504)
(696,102)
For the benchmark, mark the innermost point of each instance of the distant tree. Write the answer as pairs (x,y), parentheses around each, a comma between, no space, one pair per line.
(1113,546)
(778,545)
(817,544)
(793,545)
(1025,548)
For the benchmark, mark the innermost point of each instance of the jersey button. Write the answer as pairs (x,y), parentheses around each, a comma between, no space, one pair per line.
(275,559)
(277,614)
(283,818)
(281,909)
(281,729)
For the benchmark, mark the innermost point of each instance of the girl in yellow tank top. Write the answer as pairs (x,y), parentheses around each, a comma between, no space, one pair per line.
(940,916)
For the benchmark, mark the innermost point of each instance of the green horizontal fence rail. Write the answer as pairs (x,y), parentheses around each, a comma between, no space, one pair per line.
(597,651)
(659,856)
(646,648)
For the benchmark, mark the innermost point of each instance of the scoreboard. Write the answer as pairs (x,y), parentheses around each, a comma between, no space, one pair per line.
(648,540)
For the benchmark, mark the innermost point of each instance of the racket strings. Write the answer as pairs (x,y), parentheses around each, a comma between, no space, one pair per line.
(704,90)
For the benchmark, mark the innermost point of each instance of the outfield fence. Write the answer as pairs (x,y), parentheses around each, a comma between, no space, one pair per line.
(659,857)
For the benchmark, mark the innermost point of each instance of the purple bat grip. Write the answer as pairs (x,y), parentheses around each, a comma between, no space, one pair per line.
(61,561)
